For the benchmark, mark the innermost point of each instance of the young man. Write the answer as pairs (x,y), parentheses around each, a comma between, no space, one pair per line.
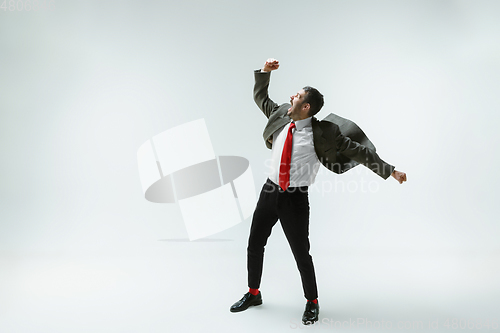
(299,143)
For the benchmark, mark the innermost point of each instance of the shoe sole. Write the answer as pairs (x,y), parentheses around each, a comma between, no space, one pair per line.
(309,322)
(241,309)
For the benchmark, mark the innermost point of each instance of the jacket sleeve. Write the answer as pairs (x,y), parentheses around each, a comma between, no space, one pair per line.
(260,93)
(363,155)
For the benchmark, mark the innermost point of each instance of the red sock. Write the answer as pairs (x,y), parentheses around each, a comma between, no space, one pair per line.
(315,301)
(254,292)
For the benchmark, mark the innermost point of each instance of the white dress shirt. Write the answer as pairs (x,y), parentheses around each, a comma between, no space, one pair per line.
(305,163)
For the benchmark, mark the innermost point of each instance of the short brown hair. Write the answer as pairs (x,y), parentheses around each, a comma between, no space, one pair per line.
(314,98)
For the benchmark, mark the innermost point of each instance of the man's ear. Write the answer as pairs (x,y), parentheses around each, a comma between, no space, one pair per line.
(306,107)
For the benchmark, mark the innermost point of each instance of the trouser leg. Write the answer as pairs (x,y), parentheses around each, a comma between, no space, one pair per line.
(264,218)
(293,212)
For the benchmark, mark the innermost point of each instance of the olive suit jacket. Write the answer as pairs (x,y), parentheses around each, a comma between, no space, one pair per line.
(339,143)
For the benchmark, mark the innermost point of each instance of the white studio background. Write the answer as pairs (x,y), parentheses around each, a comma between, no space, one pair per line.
(84,84)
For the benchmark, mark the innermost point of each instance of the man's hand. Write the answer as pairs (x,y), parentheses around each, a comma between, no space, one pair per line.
(270,65)
(399,176)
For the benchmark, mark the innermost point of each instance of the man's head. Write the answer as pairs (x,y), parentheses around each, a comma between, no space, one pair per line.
(314,98)
(305,103)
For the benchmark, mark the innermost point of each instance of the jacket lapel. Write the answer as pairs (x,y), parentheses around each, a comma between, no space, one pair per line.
(319,138)
(277,120)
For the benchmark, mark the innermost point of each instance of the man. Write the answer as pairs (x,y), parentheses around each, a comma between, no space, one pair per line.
(299,143)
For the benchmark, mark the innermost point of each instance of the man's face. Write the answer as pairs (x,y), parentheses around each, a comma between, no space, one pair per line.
(299,109)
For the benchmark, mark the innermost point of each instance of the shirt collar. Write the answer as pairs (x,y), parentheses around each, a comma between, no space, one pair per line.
(300,124)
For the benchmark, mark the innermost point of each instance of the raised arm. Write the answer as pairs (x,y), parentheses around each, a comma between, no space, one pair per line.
(260,90)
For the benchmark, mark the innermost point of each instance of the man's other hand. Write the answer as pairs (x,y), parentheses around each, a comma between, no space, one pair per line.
(271,65)
(399,176)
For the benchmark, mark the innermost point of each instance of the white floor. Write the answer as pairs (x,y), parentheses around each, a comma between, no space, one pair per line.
(180,286)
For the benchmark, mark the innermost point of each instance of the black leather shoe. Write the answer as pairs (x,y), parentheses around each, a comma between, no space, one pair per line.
(311,313)
(246,301)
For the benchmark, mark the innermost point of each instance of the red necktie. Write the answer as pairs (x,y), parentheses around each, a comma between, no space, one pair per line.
(286,157)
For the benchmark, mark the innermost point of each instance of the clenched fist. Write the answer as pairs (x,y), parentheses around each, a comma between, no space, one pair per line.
(271,65)
(399,176)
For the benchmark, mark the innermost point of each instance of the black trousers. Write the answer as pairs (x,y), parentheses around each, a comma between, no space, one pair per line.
(291,207)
